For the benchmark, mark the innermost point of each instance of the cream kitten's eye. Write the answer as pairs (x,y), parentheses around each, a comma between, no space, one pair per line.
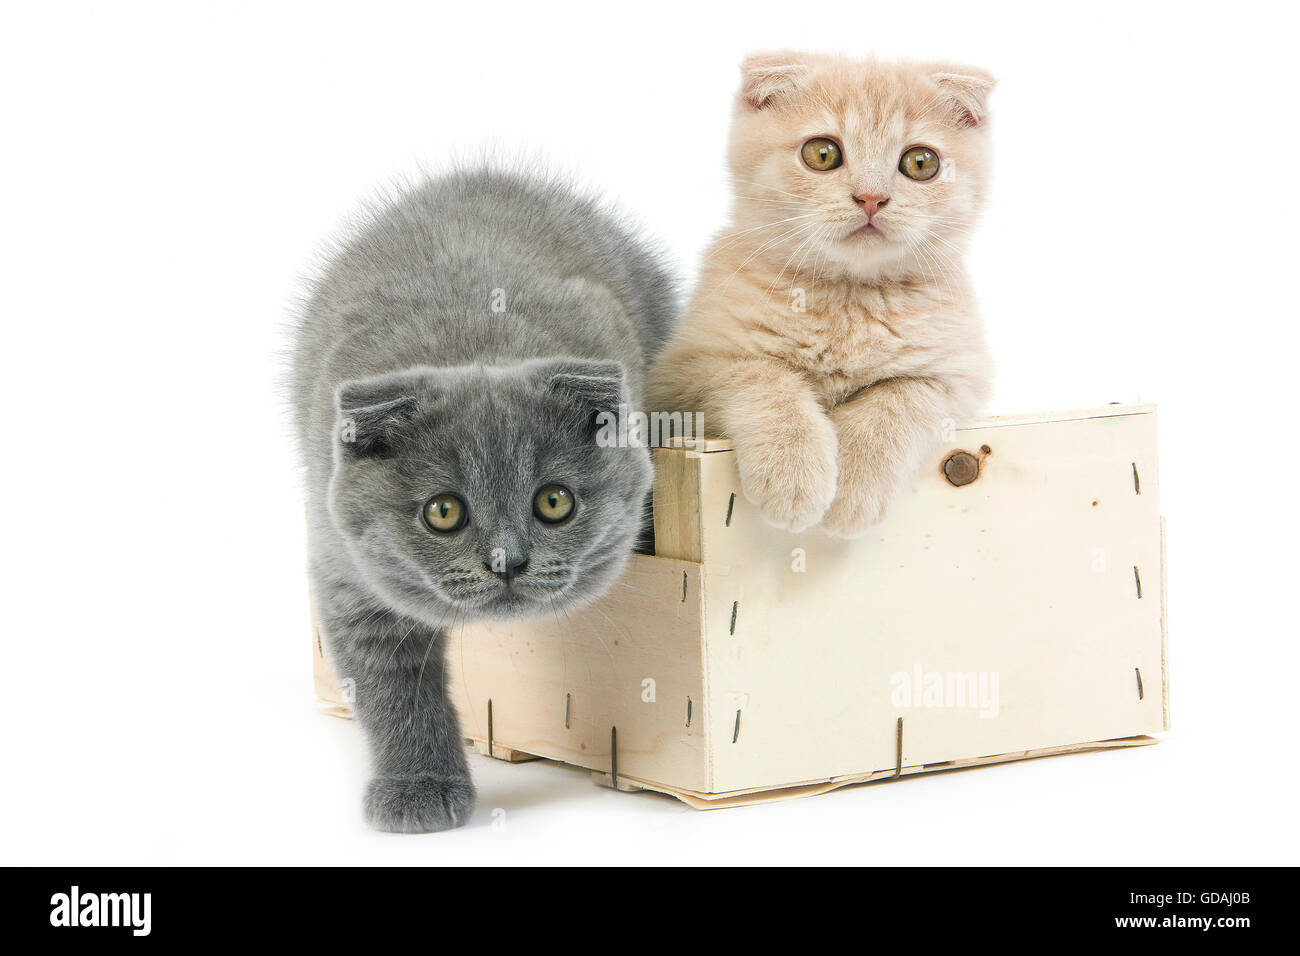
(919,163)
(553,503)
(822,154)
(445,513)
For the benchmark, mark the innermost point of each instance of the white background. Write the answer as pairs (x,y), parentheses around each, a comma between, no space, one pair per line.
(169,170)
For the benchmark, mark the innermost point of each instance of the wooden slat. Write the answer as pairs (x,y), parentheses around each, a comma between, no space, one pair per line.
(676,504)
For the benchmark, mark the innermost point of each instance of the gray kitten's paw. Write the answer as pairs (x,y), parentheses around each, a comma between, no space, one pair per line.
(418,803)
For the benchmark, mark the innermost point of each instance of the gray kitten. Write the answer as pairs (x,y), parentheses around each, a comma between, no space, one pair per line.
(448,369)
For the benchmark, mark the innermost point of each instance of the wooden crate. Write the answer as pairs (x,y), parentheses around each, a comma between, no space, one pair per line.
(742,663)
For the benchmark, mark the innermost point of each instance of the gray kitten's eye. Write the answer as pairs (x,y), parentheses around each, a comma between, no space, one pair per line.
(445,513)
(919,163)
(553,503)
(822,154)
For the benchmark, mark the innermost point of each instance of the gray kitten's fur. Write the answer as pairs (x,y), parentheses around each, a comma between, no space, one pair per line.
(408,381)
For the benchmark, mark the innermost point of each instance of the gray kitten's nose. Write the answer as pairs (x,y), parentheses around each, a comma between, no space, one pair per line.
(507,569)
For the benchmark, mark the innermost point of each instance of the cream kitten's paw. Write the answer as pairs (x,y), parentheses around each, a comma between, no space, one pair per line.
(869,481)
(790,472)
(856,509)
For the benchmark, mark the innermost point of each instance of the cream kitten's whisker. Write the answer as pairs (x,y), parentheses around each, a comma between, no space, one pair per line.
(956,249)
(750,182)
(798,230)
(767,225)
(922,261)
(816,244)
(819,244)
(811,234)
(792,234)
(806,244)
(812,294)
(955,232)
(942,271)
(925,203)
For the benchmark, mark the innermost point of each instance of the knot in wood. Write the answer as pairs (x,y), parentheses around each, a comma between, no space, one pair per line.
(961,468)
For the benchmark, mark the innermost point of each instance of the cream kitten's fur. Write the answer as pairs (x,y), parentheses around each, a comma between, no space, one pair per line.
(832,409)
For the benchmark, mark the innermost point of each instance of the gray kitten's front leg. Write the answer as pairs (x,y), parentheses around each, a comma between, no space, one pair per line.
(397,668)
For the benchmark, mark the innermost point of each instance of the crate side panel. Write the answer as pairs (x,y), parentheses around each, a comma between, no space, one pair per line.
(633,660)
(996,617)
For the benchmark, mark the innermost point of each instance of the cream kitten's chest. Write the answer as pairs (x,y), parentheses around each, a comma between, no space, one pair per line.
(849,339)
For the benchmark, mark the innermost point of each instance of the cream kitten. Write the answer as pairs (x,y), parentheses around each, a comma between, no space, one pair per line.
(832,335)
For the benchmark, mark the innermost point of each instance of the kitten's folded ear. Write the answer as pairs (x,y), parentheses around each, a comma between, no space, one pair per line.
(371,412)
(589,386)
(966,91)
(766,77)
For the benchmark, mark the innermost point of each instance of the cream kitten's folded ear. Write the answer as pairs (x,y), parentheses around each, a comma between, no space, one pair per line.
(967,89)
(766,76)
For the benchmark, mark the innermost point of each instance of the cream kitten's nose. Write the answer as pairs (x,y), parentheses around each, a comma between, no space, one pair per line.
(870,202)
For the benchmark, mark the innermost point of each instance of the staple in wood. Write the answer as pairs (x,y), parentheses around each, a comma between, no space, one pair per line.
(898,748)
(613,757)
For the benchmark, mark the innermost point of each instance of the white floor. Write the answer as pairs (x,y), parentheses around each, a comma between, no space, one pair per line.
(283,787)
